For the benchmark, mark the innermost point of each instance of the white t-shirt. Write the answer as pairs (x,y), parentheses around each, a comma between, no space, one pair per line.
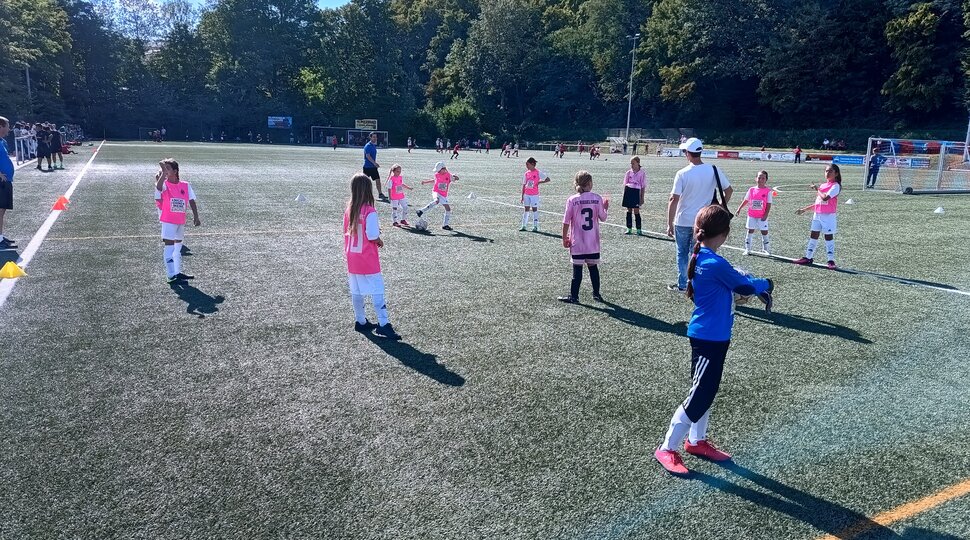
(372,227)
(696,186)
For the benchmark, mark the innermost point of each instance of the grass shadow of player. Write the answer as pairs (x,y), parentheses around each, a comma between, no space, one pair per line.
(197,302)
(548,234)
(635,318)
(186,251)
(917,533)
(828,516)
(896,279)
(422,362)
(420,232)
(803,324)
(472,237)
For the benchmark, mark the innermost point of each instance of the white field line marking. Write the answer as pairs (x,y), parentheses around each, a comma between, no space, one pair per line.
(24,164)
(662,236)
(7,285)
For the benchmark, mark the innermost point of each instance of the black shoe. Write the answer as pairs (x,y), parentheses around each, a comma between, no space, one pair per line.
(598,298)
(182,276)
(419,213)
(387,331)
(767,296)
(364,328)
(568,299)
(447,228)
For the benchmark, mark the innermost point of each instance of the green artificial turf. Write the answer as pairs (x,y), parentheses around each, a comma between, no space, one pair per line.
(244,405)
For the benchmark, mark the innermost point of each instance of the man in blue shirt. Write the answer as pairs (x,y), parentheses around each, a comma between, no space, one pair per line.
(875,162)
(6,181)
(371,165)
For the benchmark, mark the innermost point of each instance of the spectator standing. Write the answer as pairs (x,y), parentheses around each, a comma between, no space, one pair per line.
(6,182)
(798,154)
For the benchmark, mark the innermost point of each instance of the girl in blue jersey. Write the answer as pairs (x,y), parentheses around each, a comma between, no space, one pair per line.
(712,284)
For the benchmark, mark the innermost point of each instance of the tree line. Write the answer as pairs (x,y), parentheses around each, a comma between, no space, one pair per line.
(510,68)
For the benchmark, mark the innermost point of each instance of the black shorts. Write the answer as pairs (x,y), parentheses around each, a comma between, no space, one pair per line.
(6,195)
(631,197)
(43,151)
(373,173)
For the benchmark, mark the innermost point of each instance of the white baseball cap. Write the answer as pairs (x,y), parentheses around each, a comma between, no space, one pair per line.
(692,144)
(438,166)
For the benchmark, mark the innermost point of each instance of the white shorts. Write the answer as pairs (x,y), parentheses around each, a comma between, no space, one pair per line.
(440,198)
(757,224)
(532,201)
(366,284)
(171,231)
(824,223)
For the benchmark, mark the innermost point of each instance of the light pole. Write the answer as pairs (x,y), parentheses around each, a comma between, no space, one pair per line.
(629,103)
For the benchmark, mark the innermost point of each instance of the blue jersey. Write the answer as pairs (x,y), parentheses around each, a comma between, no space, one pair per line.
(6,166)
(715,282)
(370,149)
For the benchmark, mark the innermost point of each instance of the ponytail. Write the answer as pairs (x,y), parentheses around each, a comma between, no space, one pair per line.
(711,222)
(692,267)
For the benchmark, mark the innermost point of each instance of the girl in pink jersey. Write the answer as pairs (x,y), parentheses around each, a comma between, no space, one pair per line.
(826,205)
(581,234)
(758,199)
(399,201)
(172,198)
(530,193)
(362,239)
(439,193)
(634,188)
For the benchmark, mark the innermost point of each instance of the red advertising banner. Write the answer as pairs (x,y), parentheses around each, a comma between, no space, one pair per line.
(724,154)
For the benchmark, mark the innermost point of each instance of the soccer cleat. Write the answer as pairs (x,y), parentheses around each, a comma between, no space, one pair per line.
(182,276)
(598,297)
(670,461)
(628,231)
(172,279)
(675,288)
(706,450)
(395,224)
(405,223)
(364,328)
(804,261)
(420,213)
(768,296)
(568,299)
(522,228)
(447,227)
(387,331)
(7,243)
(535,228)
(831,265)
(746,252)
(640,232)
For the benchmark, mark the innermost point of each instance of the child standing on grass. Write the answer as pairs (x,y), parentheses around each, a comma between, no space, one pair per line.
(439,193)
(530,193)
(581,234)
(826,205)
(758,199)
(174,196)
(634,188)
(712,284)
(399,201)
(362,239)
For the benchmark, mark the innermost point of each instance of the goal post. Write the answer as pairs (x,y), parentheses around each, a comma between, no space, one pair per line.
(915,166)
(346,136)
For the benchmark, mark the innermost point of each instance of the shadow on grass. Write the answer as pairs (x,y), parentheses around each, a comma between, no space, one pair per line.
(7,255)
(897,279)
(422,362)
(472,237)
(412,230)
(186,251)
(547,234)
(803,324)
(635,318)
(916,533)
(197,302)
(828,516)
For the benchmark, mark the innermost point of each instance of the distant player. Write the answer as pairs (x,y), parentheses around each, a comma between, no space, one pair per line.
(399,201)
(515,150)
(634,188)
(823,221)
(439,193)
(712,284)
(371,167)
(410,144)
(581,234)
(174,197)
(454,151)
(530,193)
(758,199)
(362,239)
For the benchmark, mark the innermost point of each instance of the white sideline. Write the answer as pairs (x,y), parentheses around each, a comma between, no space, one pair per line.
(662,236)
(7,285)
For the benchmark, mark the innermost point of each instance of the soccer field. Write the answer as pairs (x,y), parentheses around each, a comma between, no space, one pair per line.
(243,404)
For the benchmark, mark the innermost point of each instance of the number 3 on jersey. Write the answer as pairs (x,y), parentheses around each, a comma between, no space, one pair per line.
(588,216)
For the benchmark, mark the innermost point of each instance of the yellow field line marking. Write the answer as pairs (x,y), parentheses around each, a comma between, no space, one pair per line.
(905,511)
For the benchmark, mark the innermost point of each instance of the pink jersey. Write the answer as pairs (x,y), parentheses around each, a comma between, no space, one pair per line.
(175,201)
(361,253)
(530,182)
(442,180)
(397,188)
(583,213)
(830,206)
(758,201)
(636,180)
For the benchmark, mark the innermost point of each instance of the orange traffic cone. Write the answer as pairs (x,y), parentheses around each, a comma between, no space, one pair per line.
(61,203)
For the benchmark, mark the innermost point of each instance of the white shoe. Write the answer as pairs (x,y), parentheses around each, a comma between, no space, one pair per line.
(746,252)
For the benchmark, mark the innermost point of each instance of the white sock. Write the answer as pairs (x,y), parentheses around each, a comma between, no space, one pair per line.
(830,249)
(679,425)
(525,218)
(698,430)
(380,307)
(358,301)
(747,242)
(177,257)
(431,205)
(447,220)
(168,255)
(766,242)
(810,250)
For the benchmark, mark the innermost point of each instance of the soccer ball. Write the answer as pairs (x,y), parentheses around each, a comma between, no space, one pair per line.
(421,225)
(740,300)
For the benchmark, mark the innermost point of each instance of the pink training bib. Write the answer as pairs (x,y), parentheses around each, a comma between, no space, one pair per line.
(531,182)
(362,257)
(442,181)
(175,200)
(397,189)
(826,207)
(758,201)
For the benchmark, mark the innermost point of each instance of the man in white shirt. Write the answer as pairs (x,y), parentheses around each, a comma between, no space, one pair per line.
(694,188)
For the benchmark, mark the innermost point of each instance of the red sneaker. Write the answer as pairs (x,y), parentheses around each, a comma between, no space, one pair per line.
(396,224)
(831,265)
(670,461)
(706,450)
(405,223)
(804,261)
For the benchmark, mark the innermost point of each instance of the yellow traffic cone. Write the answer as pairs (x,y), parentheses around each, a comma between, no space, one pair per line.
(11,271)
